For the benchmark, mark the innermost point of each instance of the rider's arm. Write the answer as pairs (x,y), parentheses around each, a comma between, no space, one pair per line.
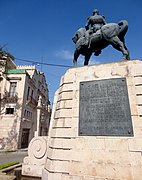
(104,21)
(87,24)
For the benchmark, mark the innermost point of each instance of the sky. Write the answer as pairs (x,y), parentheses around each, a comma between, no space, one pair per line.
(42,31)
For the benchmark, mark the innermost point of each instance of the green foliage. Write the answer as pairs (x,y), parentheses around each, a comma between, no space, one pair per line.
(3,166)
(6,54)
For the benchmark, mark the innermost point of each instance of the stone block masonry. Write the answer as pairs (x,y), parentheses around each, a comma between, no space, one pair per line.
(74,157)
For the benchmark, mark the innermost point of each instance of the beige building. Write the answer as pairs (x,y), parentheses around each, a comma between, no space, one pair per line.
(24,105)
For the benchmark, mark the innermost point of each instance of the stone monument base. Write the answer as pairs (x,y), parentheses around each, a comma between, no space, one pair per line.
(111,155)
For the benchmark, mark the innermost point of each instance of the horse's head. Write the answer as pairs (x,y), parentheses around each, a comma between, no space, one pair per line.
(79,33)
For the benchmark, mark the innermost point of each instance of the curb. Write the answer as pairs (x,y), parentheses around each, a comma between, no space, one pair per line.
(10,168)
(13,151)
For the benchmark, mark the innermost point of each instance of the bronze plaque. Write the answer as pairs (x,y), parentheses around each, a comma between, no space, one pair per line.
(104,108)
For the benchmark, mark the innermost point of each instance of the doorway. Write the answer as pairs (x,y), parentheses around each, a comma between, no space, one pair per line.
(25,138)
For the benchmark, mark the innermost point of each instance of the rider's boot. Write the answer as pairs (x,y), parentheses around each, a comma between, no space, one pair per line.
(97,53)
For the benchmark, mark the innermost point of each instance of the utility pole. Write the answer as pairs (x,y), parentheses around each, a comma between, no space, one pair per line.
(1,78)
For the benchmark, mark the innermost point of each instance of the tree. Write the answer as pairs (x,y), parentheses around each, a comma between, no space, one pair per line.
(5,54)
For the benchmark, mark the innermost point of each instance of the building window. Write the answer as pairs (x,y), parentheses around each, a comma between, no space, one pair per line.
(28,93)
(27,114)
(32,94)
(12,91)
(9,111)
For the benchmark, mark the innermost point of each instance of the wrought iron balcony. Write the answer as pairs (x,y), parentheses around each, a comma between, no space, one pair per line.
(32,101)
(10,97)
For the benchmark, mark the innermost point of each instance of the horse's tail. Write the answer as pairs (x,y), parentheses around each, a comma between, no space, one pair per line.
(123,25)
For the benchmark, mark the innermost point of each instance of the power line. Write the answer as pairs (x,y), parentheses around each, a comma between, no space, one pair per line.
(37,62)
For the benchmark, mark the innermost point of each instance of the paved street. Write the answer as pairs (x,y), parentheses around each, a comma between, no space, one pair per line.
(12,156)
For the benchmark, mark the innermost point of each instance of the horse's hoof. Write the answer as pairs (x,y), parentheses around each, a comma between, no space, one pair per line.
(128,58)
(125,58)
(75,64)
(122,59)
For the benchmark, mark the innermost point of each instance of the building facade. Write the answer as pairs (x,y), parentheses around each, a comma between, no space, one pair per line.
(24,104)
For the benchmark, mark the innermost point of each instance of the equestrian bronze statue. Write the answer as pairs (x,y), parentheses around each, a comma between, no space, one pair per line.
(99,36)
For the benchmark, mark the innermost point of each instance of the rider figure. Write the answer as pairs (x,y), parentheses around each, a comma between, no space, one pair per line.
(96,21)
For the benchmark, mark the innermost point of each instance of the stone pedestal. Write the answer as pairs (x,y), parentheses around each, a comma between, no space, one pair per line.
(74,157)
(37,153)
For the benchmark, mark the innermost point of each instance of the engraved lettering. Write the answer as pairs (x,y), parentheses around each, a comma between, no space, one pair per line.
(104,108)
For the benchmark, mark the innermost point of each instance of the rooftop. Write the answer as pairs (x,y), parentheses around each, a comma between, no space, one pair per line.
(15,71)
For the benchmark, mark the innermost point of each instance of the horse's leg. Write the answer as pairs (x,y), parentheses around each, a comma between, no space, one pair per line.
(123,40)
(128,56)
(119,45)
(87,57)
(76,55)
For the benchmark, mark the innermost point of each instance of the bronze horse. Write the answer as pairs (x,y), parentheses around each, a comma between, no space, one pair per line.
(109,34)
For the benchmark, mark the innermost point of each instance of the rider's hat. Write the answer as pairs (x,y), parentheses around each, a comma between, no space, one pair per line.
(95,11)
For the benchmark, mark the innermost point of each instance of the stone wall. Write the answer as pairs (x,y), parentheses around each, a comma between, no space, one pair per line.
(70,156)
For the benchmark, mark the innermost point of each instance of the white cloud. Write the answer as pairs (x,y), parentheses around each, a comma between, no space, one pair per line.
(68,55)
(92,60)
(64,54)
